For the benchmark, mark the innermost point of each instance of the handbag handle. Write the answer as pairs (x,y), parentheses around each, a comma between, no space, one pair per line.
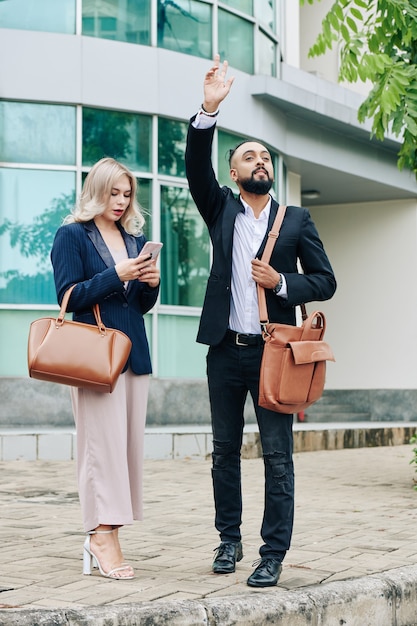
(64,304)
(266,255)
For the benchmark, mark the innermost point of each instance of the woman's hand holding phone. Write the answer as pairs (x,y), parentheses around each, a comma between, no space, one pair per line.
(149,273)
(151,247)
(143,267)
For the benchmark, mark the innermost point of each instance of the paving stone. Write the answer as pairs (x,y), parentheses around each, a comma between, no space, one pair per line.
(355,516)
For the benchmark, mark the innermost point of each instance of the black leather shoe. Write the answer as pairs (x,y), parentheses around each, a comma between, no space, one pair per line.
(226,556)
(266,574)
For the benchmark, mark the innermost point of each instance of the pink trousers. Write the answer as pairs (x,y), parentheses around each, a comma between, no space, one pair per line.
(110,437)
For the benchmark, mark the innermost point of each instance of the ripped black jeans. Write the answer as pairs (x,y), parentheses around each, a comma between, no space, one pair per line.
(232,372)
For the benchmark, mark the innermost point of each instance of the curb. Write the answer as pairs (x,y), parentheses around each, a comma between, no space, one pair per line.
(386,599)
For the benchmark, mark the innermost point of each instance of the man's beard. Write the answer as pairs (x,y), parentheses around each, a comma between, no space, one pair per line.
(258,187)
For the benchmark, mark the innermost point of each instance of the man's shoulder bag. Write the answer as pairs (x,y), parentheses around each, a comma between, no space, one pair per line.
(293,365)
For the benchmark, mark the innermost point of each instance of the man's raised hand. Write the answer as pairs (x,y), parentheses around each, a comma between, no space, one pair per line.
(216,87)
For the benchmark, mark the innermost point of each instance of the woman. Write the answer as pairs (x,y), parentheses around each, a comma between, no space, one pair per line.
(98,249)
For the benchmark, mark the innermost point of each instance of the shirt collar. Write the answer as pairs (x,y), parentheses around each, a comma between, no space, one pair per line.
(264,216)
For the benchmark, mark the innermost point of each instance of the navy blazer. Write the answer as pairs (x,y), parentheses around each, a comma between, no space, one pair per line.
(298,239)
(79,255)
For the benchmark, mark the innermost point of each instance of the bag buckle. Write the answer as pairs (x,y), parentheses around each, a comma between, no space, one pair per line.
(264,329)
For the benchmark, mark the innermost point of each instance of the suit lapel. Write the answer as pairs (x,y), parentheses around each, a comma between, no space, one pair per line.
(233,208)
(98,242)
(132,252)
(130,243)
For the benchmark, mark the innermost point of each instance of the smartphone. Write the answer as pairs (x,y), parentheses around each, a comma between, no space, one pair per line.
(152,248)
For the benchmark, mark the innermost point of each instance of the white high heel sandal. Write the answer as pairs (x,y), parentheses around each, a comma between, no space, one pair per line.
(90,560)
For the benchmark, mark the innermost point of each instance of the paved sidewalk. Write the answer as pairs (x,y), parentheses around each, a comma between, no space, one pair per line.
(355,517)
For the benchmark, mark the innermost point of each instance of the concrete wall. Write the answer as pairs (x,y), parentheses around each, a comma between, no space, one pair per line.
(371,325)
(26,402)
(327,65)
(32,404)
(311,16)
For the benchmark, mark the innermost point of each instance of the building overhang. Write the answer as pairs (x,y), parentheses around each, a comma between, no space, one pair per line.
(327,146)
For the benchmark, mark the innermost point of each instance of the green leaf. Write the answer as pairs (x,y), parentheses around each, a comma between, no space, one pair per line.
(352,24)
(338,11)
(411,125)
(387,101)
(356,13)
(378,128)
(382,62)
(345,32)
(397,122)
(333,21)
(363,72)
(327,33)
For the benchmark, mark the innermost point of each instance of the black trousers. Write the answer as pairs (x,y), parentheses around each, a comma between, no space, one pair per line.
(232,372)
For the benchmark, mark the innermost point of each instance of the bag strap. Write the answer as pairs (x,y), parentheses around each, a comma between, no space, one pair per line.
(63,310)
(266,256)
(274,233)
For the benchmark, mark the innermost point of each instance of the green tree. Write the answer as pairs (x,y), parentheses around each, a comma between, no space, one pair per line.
(378,43)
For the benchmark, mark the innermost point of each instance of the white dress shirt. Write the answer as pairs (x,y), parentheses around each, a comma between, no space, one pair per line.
(247,237)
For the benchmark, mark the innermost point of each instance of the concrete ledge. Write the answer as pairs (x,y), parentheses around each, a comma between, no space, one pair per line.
(380,600)
(194,441)
(311,437)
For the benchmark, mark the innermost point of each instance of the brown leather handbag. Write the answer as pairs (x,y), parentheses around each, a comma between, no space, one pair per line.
(293,367)
(76,354)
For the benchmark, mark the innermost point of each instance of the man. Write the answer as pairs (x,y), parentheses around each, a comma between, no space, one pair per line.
(230,324)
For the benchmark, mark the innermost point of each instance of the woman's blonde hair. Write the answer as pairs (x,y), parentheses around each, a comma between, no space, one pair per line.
(96,192)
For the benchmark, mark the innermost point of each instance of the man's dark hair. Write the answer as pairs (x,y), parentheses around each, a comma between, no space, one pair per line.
(233,150)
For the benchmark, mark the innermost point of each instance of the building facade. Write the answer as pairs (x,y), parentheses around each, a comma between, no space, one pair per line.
(83,79)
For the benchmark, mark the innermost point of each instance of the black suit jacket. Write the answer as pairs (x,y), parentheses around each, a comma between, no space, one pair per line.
(79,255)
(298,239)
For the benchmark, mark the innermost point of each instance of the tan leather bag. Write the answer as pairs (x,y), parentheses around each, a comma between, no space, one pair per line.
(76,354)
(293,367)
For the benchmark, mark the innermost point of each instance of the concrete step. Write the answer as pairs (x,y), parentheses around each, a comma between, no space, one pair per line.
(327,411)
(335,416)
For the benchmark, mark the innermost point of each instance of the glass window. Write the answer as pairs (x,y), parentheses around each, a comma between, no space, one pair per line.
(45,15)
(265,12)
(179,355)
(185,26)
(123,136)
(171,147)
(186,252)
(246,6)
(236,41)
(37,133)
(121,20)
(267,55)
(32,206)
(144,196)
